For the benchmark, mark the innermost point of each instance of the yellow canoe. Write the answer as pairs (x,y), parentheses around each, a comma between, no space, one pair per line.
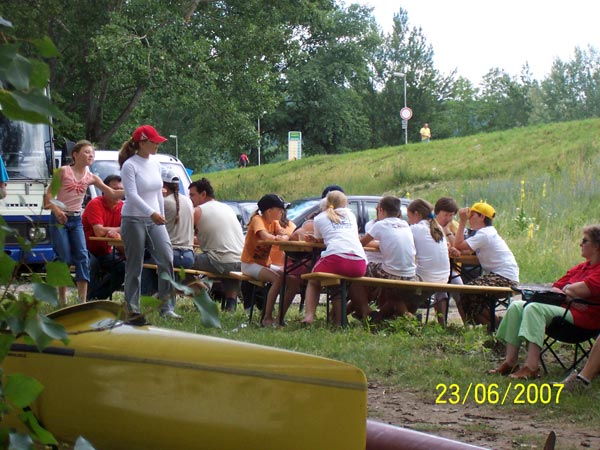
(148,388)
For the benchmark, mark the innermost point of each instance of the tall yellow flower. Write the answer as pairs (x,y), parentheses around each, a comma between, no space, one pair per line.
(530,229)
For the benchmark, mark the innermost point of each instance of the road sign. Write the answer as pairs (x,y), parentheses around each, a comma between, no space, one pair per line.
(406,113)
(404,124)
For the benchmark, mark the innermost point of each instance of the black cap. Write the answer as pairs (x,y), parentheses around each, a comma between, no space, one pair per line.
(271,201)
(331,187)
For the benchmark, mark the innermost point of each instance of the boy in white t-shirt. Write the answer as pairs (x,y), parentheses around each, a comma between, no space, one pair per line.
(397,248)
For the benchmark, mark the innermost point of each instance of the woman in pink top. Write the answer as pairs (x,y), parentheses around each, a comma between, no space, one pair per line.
(66,230)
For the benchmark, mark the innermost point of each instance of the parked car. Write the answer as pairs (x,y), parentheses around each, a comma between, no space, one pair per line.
(363,207)
(106,163)
(243,209)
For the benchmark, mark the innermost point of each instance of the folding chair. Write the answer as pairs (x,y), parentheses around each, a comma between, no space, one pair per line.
(560,330)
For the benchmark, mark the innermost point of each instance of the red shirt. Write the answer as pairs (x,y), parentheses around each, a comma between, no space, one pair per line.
(589,316)
(97,212)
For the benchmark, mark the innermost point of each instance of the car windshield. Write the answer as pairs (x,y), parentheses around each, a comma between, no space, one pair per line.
(299,207)
(25,149)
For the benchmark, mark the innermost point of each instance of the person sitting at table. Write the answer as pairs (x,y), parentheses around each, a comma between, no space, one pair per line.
(220,237)
(256,261)
(497,261)
(397,247)
(102,218)
(344,255)
(298,263)
(527,322)
(433,262)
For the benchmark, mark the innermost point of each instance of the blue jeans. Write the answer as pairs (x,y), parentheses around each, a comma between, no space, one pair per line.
(68,242)
(181,258)
(139,234)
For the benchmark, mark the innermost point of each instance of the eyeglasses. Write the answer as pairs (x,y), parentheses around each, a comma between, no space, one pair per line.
(584,241)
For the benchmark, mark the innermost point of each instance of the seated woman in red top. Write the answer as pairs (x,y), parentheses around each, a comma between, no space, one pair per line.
(529,323)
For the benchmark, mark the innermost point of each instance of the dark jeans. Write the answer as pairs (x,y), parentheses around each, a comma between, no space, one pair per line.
(107,275)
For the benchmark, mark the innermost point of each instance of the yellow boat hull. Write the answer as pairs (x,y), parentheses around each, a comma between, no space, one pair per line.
(149,388)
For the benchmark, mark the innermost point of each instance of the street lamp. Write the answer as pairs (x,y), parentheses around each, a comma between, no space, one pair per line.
(174,136)
(403,75)
(259,116)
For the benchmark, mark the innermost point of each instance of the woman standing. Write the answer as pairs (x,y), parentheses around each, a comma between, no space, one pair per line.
(143,219)
(66,229)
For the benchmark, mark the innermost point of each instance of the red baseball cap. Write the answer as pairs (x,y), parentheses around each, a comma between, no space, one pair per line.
(148,133)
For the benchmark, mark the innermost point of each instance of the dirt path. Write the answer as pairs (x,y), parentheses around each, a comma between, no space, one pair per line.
(479,425)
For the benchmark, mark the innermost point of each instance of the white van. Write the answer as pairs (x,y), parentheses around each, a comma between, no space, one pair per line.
(107,163)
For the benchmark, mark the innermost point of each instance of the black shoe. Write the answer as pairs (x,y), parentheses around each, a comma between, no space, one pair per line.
(230,304)
(137,319)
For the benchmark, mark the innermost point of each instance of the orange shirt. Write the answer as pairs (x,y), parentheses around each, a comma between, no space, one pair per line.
(253,251)
(277,255)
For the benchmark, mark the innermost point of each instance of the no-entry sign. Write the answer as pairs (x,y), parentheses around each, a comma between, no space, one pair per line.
(406,113)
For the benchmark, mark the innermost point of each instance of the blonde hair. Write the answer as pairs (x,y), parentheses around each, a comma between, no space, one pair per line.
(335,200)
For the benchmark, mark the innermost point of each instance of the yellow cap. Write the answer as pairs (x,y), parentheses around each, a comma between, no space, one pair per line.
(483,208)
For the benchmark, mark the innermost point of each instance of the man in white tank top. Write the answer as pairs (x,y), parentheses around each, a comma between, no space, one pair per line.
(220,237)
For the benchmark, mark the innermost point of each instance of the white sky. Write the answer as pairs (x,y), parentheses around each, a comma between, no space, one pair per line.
(473,36)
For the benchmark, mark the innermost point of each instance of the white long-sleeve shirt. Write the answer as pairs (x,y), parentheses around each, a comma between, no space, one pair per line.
(143,187)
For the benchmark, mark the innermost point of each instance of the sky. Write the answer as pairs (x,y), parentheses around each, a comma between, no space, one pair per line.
(473,36)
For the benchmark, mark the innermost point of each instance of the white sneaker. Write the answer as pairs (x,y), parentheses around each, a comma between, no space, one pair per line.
(573,383)
(170,315)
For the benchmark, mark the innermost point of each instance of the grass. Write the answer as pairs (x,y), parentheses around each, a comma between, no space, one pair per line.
(543,183)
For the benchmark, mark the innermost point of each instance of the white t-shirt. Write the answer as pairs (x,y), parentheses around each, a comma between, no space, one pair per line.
(143,187)
(342,238)
(493,253)
(433,263)
(372,257)
(396,245)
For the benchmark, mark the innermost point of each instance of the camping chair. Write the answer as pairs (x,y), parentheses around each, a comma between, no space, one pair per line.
(560,330)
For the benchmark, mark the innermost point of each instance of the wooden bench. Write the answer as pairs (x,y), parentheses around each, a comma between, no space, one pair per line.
(238,276)
(492,293)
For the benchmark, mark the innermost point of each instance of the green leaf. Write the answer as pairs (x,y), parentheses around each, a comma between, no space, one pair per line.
(5,342)
(209,313)
(57,274)
(18,71)
(55,184)
(35,330)
(39,433)
(20,441)
(46,47)
(22,390)
(45,293)
(53,329)
(12,110)
(16,316)
(180,287)
(83,444)
(40,74)
(7,267)
(36,101)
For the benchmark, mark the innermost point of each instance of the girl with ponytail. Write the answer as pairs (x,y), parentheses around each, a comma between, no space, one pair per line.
(433,262)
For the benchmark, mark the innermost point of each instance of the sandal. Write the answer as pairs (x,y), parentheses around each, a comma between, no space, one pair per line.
(504,369)
(525,374)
